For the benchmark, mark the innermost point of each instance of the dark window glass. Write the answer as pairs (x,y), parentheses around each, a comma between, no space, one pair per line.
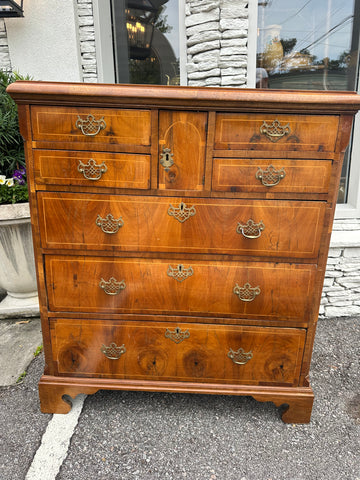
(146,41)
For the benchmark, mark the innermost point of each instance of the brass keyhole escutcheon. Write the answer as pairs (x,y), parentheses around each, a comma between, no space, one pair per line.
(177,335)
(166,158)
(180,273)
(182,212)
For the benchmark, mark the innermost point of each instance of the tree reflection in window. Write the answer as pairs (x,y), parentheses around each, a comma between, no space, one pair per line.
(311,45)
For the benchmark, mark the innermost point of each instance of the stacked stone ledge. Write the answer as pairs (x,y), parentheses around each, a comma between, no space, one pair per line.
(4,48)
(216,32)
(341,291)
(87,40)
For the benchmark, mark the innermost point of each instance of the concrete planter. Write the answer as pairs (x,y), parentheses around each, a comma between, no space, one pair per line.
(17,266)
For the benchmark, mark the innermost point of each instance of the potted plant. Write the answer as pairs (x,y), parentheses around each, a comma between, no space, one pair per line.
(17,267)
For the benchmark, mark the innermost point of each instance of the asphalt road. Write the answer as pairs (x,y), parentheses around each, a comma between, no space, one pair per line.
(154,436)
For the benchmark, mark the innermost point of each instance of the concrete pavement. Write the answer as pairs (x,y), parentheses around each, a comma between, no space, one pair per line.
(19,340)
(154,436)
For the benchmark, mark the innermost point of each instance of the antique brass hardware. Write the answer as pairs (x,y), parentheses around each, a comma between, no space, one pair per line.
(91,170)
(89,126)
(180,273)
(182,212)
(177,335)
(166,158)
(270,177)
(275,130)
(240,357)
(250,229)
(247,293)
(112,287)
(109,224)
(113,352)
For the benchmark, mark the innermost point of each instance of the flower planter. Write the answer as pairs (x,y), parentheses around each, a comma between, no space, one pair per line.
(17,266)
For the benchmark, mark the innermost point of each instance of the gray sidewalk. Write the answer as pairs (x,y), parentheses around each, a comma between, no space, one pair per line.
(146,436)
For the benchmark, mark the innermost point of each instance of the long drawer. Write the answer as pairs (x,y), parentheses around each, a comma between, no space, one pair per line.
(276,132)
(130,223)
(185,352)
(135,285)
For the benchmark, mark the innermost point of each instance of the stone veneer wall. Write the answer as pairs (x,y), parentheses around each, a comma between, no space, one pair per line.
(216,40)
(5,63)
(341,291)
(87,40)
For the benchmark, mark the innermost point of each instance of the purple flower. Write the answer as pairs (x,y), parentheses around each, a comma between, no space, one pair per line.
(18,176)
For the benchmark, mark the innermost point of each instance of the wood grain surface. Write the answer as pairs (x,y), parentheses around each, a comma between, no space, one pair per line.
(179,234)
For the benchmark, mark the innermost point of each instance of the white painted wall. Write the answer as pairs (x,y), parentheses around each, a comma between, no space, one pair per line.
(44,43)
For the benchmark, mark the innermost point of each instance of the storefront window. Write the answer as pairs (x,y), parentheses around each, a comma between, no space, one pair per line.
(309,45)
(146,41)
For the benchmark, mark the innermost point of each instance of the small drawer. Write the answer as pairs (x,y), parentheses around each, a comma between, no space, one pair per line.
(183,352)
(112,170)
(136,285)
(278,176)
(91,125)
(217,226)
(275,132)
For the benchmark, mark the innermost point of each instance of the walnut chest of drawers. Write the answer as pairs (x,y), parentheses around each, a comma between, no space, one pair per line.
(181,235)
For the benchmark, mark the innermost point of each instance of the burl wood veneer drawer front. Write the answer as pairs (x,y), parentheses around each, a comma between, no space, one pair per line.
(91,125)
(276,132)
(111,285)
(186,352)
(262,175)
(271,228)
(112,170)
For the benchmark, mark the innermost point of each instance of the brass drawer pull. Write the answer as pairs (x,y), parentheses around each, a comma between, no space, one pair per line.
(275,130)
(177,335)
(182,212)
(270,177)
(112,287)
(179,273)
(240,357)
(113,351)
(250,229)
(109,224)
(166,158)
(89,126)
(91,170)
(247,293)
